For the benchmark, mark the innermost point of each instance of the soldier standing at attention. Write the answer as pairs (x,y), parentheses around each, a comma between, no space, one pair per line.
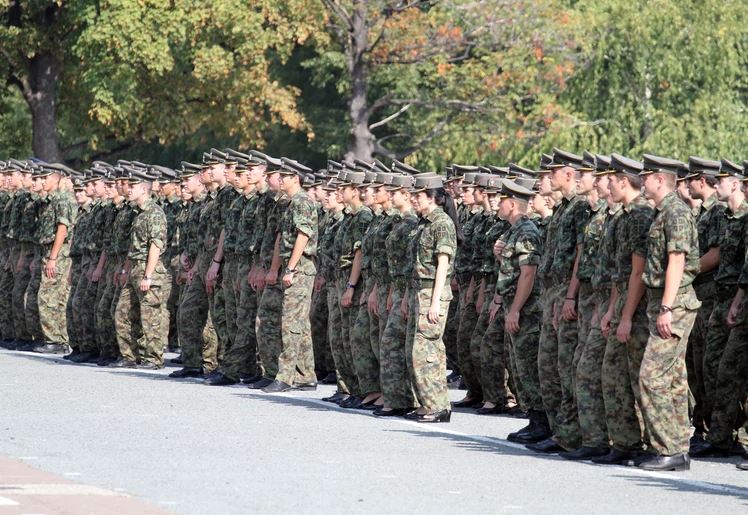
(297,248)
(671,266)
(434,249)
(141,308)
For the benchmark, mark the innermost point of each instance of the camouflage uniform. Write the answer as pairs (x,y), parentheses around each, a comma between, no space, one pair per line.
(710,225)
(269,310)
(7,330)
(557,346)
(596,267)
(396,386)
(105,319)
(347,242)
(230,269)
(320,314)
(523,248)
(78,236)
(175,210)
(47,298)
(296,356)
(363,350)
(720,366)
(144,313)
(24,234)
(662,378)
(380,275)
(424,349)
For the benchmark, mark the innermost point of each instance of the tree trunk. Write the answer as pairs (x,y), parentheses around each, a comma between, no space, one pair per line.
(44,72)
(361,145)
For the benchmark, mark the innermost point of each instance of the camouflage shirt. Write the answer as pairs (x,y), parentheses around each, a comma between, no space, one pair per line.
(436,235)
(190,240)
(631,235)
(350,234)
(231,223)
(81,229)
(523,248)
(327,260)
(121,227)
(270,229)
(379,265)
(480,245)
(549,241)
(489,264)
(399,259)
(148,228)
(213,217)
(569,234)
(299,217)
(367,241)
(7,208)
(245,229)
(173,207)
(101,217)
(265,205)
(16,208)
(593,233)
(673,230)
(57,208)
(732,248)
(604,262)
(463,260)
(28,220)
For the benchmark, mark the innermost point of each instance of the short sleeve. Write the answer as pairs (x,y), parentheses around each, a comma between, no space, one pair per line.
(526,248)
(679,231)
(641,220)
(445,241)
(157,228)
(304,218)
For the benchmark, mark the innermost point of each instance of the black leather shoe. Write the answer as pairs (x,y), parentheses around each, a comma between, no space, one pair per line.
(147,365)
(259,385)
(433,418)
(546,446)
(490,411)
(177,361)
(466,403)
(122,363)
(81,357)
(708,450)
(105,362)
(305,387)
(187,372)
(26,346)
(660,463)
(395,412)
(616,457)
(74,353)
(250,379)
(213,374)
(277,387)
(219,379)
(331,378)
(352,402)
(585,453)
(336,398)
(93,358)
(515,411)
(51,348)
(742,465)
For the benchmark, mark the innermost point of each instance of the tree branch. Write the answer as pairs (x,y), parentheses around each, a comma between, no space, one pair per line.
(339,13)
(390,117)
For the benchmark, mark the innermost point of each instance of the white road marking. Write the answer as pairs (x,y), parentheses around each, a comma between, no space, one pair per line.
(4,501)
(57,489)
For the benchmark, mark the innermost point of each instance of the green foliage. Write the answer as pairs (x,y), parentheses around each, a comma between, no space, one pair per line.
(15,124)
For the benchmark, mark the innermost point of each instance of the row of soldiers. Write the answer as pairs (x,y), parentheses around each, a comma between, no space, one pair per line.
(576,289)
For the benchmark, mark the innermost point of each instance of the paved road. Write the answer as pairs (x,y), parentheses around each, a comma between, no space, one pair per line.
(188,448)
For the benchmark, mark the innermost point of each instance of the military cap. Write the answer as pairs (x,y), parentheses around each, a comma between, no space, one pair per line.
(656,164)
(382,179)
(546,161)
(102,164)
(189,169)
(333,168)
(89,177)
(562,158)
(165,174)
(730,169)
(39,171)
(493,185)
(231,157)
(699,166)
(319,178)
(602,164)
(400,181)
(527,182)
(209,160)
(516,170)
(138,164)
(239,157)
(461,170)
(469,178)
(58,168)
(400,167)
(330,185)
(482,169)
(745,170)
(510,189)
(78,184)
(136,175)
(378,166)
(683,174)
(292,167)
(481,179)
(22,166)
(501,171)
(425,182)
(351,178)
(273,164)
(589,162)
(221,157)
(625,165)
(449,174)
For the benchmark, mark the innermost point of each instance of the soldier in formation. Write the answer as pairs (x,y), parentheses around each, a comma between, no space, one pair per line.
(600,297)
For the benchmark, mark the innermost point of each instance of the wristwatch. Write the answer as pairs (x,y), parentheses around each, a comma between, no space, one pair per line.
(289,271)
(350,285)
(665,309)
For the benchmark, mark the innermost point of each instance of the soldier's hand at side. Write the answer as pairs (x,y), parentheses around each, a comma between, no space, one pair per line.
(498,248)
(569,311)
(511,322)
(605,323)
(212,274)
(664,324)
(433,313)
(145,284)
(96,275)
(623,331)
(287,280)
(209,287)
(732,315)
(493,311)
(319,283)
(50,269)
(373,304)
(271,277)
(404,307)
(190,275)
(347,299)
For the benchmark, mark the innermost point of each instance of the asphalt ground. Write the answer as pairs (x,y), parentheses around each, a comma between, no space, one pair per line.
(132,436)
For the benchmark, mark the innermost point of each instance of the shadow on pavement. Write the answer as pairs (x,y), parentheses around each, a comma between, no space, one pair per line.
(683,485)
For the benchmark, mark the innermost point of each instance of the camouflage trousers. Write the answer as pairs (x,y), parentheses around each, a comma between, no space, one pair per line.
(47,299)
(662,378)
(523,353)
(340,356)
(21,281)
(450,331)
(347,319)
(7,329)
(320,342)
(620,378)
(556,370)
(468,319)
(84,297)
(268,328)
(197,334)
(706,293)
(241,359)
(476,337)
(172,305)
(379,320)
(494,357)
(141,319)
(365,360)
(588,384)
(72,328)
(424,350)
(717,335)
(107,294)
(731,383)
(296,355)
(230,289)
(396,386)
